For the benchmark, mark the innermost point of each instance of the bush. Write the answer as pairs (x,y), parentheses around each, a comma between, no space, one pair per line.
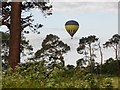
(33,75)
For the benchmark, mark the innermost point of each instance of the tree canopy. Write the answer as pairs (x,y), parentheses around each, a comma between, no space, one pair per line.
(12,17)
(52,50)
(113,42)
(25,7)
(26,48)
(87,46)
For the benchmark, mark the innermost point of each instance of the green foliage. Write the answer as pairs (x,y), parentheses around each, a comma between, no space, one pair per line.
(5,48)
(110,67)
(26,48)
(81,62)
(0,79)
(113,43)
(87,46)
(25,75)
(27,20)
(52,47)
(52,51)
(47,70)
(107,83)
(32,75)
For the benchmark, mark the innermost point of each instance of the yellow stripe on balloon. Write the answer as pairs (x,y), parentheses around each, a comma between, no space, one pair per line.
(71,27)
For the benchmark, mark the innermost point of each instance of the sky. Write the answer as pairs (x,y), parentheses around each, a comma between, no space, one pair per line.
(94,17)
(85,0)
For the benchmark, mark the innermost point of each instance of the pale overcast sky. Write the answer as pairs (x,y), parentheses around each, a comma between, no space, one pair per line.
(95,18)
(85,0)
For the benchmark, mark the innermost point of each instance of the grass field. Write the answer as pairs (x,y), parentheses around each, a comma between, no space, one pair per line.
(20,82)
(116,82)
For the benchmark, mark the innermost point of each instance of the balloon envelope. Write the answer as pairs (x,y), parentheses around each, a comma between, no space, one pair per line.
(71,27)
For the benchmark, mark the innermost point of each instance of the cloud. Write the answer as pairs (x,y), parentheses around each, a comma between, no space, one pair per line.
(85,6)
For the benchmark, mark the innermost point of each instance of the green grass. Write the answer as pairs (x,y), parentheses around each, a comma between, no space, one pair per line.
(20,82)
(116,82)
(114,79)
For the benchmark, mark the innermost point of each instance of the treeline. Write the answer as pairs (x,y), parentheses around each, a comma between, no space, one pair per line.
(40,75)
(53,50)
(46,68)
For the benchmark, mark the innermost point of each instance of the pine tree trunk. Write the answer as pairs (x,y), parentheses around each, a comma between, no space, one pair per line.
(101,55)
(116,52)
(118,63)
(91,64)
(15,35)
(90,54)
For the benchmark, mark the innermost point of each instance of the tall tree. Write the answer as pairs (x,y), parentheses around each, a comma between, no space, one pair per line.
(113,43)
(52,52)
(25,48)
(11,17)
(15,34)
(87,47)
(101,56)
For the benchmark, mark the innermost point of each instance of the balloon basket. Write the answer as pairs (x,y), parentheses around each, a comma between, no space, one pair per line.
(71,37)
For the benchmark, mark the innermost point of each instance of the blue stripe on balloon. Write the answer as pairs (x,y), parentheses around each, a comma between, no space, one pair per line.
(71,22)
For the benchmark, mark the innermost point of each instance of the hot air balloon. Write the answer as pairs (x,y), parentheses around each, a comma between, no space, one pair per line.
(71,27)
